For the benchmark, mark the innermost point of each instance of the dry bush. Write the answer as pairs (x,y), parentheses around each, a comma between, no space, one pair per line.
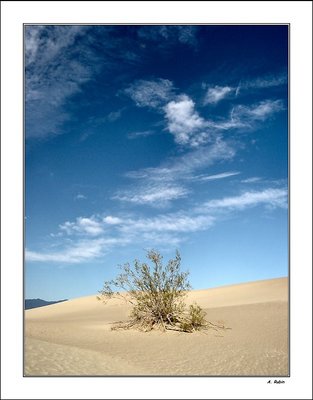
(156,294)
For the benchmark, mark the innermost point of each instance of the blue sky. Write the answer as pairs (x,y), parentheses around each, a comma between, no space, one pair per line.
(165,137)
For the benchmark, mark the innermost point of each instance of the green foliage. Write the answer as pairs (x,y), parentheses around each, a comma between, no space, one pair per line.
(156,294)
(197,317)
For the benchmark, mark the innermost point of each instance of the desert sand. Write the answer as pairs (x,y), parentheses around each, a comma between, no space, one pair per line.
(75,337)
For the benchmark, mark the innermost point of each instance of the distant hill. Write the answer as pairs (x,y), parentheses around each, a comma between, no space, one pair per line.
(34,303)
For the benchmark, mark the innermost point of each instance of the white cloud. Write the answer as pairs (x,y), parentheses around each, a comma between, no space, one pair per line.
(190,129)
(183,120)
(165,36)
(266,81)
(134,135)
(185,123)
(257,112)
(80,196)
(88,226)
(112,220)
(43,44)
(114,115)
(187,34)
(59,60)
(217,93)
(184,166)
(216,176)
(156,195)
(82,251)
(160,185)
(163,240)
(164,229)
(154,93)
(32,42)
(271,197)
(247,117)
(176,222)
(251,180)
(53,73)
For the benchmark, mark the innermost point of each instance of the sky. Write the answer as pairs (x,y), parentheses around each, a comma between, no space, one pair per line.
(154,137)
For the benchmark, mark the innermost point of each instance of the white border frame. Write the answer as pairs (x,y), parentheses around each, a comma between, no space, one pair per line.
(14,14)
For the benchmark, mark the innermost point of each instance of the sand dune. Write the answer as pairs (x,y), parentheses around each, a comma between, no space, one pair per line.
(75,337)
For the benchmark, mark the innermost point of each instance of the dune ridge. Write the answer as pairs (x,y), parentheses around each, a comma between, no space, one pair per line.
(75,337)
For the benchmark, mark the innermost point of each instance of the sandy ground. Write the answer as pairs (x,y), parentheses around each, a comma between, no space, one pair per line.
(75,337)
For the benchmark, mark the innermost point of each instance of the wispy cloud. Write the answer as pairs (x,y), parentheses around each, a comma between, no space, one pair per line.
(79,252)
(87,226)
(134,135)
(271,197)
(184,166)
(163,229)
(80,196)
(47,42)
(202,136)
(110,220)
(216,176)
(177,223)
(159,186)
(54,73)
(248,117)
(114,115)
(96,123)
(217,93)
(184,122)
(251,180)
(156,194)
(164,36)
(256,112)
(259,83)
(151,93)
(59,62)
(265,81)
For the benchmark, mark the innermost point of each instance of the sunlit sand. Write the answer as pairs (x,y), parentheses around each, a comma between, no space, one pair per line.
(75,337)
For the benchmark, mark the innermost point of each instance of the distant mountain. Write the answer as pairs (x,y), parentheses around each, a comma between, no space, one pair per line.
(34,303)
